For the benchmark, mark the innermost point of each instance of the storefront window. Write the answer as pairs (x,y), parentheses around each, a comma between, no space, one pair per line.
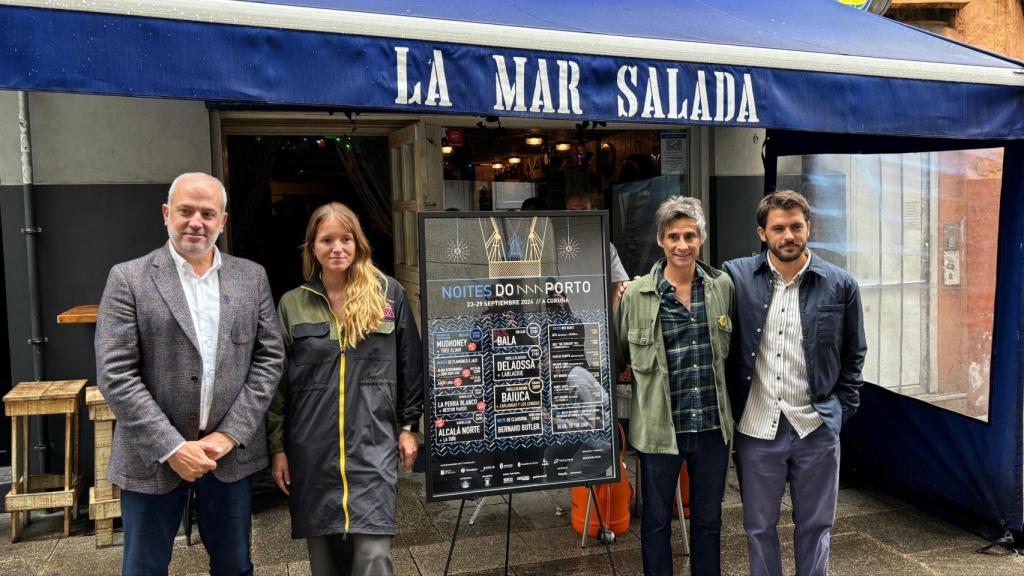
(627,172)
(919,233)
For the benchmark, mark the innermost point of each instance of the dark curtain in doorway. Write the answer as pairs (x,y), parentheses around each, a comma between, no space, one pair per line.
(366,164)
(250,166)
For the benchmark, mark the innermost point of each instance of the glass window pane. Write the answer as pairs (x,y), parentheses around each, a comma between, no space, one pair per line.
(919,233)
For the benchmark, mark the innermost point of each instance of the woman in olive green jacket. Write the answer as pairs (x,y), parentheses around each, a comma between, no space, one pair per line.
(339,425)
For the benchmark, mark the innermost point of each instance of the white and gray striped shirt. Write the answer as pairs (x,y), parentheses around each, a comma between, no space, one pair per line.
(780,370)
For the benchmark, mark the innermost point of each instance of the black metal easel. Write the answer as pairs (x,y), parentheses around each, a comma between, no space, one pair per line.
(455,534)
(508,532)
(600,522)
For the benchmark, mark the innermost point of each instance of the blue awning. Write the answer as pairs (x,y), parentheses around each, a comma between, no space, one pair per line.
(796,65)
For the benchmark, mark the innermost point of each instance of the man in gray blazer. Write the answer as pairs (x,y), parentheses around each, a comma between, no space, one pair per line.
(188,355)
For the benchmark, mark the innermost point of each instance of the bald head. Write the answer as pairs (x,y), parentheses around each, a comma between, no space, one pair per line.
(199,178)
(195,217)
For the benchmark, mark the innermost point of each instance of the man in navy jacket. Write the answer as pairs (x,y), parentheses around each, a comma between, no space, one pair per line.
(794,378)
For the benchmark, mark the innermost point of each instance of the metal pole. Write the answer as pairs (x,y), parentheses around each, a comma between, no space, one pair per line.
(31,232)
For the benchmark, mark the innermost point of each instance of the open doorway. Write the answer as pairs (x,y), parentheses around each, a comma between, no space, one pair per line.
(275,183)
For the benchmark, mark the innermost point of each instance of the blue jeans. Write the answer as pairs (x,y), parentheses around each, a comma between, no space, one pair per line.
(224,513)
(707,457)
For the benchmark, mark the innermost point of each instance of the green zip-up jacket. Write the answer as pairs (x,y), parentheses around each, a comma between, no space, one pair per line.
(338,410)
(641,344)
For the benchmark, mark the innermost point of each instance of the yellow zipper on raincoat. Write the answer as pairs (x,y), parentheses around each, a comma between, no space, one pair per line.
(341,410)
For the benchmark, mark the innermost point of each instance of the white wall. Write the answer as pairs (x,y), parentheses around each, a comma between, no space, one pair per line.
(738,151)
(10,156)
(82,139)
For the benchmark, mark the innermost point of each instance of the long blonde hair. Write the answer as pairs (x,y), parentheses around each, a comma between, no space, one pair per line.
(364,293)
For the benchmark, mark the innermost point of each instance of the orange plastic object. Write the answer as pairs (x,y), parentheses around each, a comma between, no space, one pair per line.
(612,499)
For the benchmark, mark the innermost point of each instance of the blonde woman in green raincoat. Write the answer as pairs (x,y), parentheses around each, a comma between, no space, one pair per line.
(339,425)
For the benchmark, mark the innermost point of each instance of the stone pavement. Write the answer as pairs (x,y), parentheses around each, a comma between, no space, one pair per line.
(874,534)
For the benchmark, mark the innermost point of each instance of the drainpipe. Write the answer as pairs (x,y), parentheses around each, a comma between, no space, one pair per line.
(31,232)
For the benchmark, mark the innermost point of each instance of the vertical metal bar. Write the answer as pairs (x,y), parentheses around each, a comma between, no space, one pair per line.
(699,179)
(881,279)
(31,231)
(927,249)
(903,220)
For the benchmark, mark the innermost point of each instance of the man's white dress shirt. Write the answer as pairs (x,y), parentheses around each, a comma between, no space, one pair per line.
(203,296)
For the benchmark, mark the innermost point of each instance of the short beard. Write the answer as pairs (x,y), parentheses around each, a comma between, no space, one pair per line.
(782,257)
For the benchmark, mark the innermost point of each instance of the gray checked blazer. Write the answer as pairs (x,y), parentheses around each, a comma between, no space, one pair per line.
(148,368)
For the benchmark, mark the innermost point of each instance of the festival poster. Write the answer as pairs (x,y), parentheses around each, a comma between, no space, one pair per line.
(517,352)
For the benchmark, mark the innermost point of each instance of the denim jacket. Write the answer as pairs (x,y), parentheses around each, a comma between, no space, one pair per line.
(832,323)
(640,343)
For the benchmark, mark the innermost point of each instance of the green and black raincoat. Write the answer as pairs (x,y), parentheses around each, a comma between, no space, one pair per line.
(339,409)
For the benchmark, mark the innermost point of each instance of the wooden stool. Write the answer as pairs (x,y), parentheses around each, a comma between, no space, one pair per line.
(104,497)
(40,399)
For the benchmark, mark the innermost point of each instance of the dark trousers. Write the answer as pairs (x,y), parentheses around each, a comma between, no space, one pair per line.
(707,457)
(811,465)
(224,513)
(354,555)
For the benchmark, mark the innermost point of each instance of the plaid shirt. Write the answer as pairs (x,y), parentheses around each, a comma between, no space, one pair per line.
(691,382)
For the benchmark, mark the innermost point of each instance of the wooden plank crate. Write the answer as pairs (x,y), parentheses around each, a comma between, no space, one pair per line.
(104,497)
(43,399)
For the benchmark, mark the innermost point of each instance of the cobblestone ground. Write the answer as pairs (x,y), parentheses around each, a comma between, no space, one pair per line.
(874,534)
